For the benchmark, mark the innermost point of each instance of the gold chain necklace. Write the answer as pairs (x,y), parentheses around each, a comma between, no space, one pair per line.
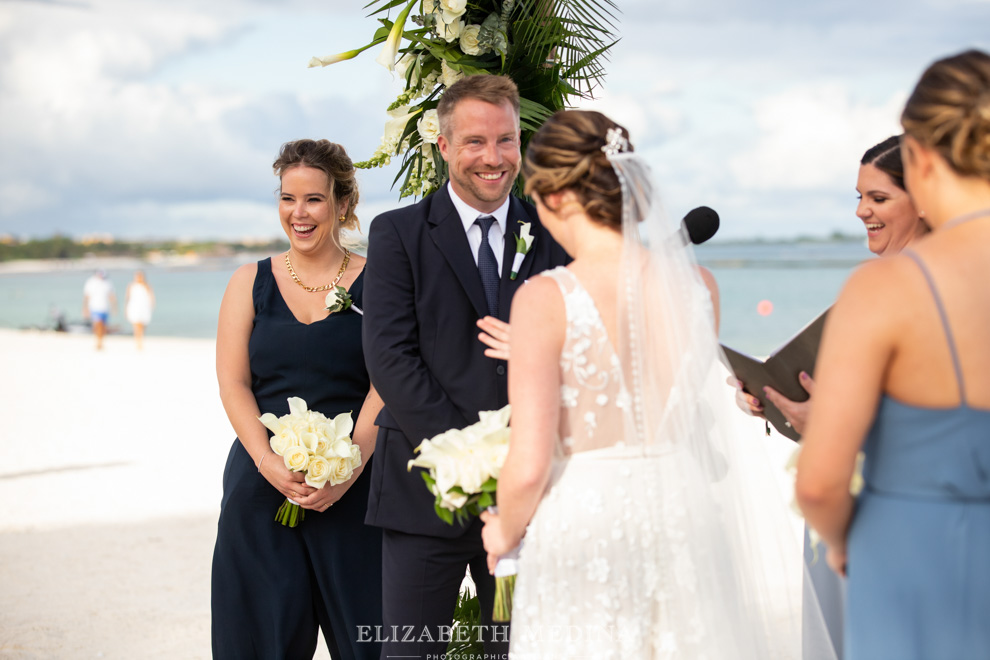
(325,287)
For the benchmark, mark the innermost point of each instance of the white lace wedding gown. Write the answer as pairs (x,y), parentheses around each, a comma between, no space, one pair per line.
(614,563)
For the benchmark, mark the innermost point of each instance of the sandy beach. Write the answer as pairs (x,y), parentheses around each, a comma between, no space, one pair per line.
(110,480)
(110,467)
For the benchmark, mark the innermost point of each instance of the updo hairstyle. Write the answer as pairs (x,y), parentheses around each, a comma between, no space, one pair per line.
(331,159)
(566,154)
(886,157)
(949,111)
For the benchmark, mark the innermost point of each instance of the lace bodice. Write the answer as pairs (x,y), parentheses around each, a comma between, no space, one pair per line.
(593,397)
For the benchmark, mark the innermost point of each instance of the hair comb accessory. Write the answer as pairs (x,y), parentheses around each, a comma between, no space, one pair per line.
(615,142)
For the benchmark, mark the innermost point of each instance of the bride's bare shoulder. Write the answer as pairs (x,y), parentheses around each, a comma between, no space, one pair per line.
(538,300)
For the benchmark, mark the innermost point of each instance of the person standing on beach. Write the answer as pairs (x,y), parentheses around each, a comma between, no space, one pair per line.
(434,270)
(99,299)
(138,303)
(275,587)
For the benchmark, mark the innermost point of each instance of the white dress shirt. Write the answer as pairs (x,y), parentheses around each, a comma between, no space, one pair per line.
(496,234)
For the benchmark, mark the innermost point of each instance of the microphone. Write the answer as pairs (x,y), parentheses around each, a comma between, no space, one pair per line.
(699,224)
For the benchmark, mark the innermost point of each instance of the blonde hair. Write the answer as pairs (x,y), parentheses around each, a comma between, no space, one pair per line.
(566,154)
(485,87)
(949,111)
(330,158)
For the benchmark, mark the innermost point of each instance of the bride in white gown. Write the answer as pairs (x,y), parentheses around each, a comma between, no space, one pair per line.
(649,531)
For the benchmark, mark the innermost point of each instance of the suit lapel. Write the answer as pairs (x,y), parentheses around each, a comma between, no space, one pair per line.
(448,235)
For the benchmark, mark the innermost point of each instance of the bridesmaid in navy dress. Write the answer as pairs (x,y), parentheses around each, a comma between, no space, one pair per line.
(904,373)
(274,587)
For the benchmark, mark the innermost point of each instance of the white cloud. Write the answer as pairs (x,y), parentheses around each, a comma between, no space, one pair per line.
(810,137)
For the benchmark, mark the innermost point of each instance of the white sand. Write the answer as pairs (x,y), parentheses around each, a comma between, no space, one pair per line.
(110,485)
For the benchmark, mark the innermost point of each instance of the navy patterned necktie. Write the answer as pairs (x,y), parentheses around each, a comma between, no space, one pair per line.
(488,265)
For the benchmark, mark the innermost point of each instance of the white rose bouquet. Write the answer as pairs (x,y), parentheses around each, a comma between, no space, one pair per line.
(309,442)
(462,468)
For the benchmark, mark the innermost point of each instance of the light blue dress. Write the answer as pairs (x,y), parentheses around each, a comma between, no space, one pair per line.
(919,545)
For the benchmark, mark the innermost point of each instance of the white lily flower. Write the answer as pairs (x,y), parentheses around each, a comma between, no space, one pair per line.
(339,57)
(297,406)
(391,49)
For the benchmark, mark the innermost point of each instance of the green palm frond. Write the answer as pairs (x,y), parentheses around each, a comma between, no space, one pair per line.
(555,51)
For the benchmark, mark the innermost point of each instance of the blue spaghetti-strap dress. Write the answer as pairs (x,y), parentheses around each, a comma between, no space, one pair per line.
(919,545)
(274,586)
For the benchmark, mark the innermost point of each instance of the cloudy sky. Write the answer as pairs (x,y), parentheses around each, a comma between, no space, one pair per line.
(145,118)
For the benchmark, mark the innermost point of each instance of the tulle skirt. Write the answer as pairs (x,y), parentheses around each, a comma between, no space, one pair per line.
(616,563)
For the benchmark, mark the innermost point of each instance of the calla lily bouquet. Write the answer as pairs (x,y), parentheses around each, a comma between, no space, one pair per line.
(462,465)
(553,49)
(309,442)
(462,468)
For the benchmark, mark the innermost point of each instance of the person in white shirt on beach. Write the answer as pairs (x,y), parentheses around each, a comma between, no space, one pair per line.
(99,299)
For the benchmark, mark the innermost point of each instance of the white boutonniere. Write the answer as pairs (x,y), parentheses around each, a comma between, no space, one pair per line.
(338,299)
(524,242)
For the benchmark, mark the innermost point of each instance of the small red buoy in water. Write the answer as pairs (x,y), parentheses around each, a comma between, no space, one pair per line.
(764,308)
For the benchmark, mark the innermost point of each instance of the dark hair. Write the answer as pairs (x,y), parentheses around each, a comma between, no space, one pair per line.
(483,87)
(886,157)
(949,111)
(566,154)
(330,158)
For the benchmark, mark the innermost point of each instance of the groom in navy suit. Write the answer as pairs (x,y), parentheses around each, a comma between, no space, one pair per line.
(434,269)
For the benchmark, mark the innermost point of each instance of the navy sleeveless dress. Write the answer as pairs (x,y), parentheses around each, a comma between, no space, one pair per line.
(274,586)
(919,545)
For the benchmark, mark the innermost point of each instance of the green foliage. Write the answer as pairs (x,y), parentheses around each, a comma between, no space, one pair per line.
(467,617)
(555,51)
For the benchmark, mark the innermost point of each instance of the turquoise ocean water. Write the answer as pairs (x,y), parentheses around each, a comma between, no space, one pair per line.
(799,279)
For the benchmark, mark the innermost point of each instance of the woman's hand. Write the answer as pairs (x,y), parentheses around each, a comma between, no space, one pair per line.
(836,558)
(494,538)
(322,499)
(291,484)
(495,335)
(796,413)
(746,402)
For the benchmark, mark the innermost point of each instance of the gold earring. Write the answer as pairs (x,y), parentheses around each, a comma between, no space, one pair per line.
(343,217)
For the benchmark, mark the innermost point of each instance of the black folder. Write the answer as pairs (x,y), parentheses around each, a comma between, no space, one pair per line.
(780,371)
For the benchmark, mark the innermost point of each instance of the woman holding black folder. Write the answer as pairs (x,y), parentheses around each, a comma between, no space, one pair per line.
(891,222)
(904,376)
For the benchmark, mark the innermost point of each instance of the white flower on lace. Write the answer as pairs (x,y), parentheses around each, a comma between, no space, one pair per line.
(622,400)
(569,396)
(598,570)
(601,399)
(592,502)
(591,420)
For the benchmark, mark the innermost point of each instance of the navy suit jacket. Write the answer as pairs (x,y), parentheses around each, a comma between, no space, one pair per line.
(423,296)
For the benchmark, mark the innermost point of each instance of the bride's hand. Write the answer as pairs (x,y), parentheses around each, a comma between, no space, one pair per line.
(494,538)
(291,484)
(495,335)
